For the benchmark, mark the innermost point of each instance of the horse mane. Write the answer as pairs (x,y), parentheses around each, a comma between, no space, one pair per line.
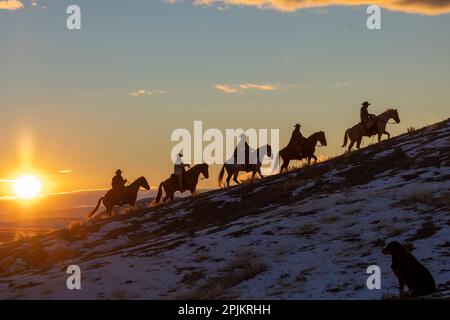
(315,133)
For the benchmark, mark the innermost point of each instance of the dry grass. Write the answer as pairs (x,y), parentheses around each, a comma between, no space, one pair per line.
(244,266)
(192,277)
(427,230)
(63,253)
(330,219)
(201,257)
(247,178)
(119,294)
(411,129)
(75,225)
(425,198)
(306,231)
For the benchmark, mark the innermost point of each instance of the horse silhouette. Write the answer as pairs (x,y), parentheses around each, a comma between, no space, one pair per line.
(129,196)
(234,169)
(357,132)
(190,180)
(290,153)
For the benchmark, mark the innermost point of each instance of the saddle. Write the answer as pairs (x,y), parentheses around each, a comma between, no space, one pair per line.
(174,179)
(117,194)
(371,125)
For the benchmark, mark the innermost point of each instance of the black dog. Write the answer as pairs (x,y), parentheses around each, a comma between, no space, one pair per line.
(409,271)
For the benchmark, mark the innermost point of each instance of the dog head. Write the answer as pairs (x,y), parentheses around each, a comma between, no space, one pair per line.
(394,248)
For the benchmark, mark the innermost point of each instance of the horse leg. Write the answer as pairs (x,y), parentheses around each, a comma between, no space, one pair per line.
(259,172)
(109,209)
(358,144)
(352,142)
(285,165)
(387,133)
(228,180)
(379,137)
(315,159)
(309,161)
(166,197)
(235,176)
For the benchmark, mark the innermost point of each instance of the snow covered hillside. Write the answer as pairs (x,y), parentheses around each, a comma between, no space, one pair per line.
(307,234)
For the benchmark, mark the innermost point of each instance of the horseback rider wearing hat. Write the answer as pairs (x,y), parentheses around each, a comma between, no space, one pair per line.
(179,171)
(296,139)
(243,145)
(118,182)
(369,121)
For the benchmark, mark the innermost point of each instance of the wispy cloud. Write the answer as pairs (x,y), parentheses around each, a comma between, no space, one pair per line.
(227,88)
(65,171)
(241,88)
(35,4)
(143,92)
(262,87)
(428,7)
(11,5)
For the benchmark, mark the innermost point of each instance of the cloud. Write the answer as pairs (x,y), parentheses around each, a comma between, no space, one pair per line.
(65,171)
(11,5)
(427,7)
(262,87)
(143,92)
(240,88)
(34,3)
(226,88)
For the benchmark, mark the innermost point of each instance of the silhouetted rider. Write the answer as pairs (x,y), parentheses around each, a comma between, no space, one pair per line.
(179,171)
(371,126)
(118,182)
(296,139)
(243,145)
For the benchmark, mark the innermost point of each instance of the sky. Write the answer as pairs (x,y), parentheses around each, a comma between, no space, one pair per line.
(78,104)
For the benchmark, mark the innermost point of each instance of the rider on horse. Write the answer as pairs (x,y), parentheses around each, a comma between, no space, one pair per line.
(369,121)
(118,183)
(179,171)
(296,139)
(243,146)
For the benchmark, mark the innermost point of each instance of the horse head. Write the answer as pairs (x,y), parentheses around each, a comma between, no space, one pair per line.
(204,170)
(144,183)
(265,151)
(322,139)
(396,116)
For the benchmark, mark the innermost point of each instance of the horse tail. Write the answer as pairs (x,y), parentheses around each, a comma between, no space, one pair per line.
(222,171)
(345,138)
(96,208)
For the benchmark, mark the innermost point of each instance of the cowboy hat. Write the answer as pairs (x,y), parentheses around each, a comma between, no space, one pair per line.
(297,125)
(118,171)
(365,103)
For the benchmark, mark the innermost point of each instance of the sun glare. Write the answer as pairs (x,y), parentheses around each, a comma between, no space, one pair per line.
(27,187)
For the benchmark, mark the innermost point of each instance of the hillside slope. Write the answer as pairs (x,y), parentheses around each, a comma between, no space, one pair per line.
(307,234)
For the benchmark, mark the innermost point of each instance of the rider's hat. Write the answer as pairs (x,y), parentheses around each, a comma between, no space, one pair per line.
(118,171)
(365,103)
(297,125)
(180,154)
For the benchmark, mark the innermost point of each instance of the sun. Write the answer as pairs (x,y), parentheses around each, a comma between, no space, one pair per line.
(27,186)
